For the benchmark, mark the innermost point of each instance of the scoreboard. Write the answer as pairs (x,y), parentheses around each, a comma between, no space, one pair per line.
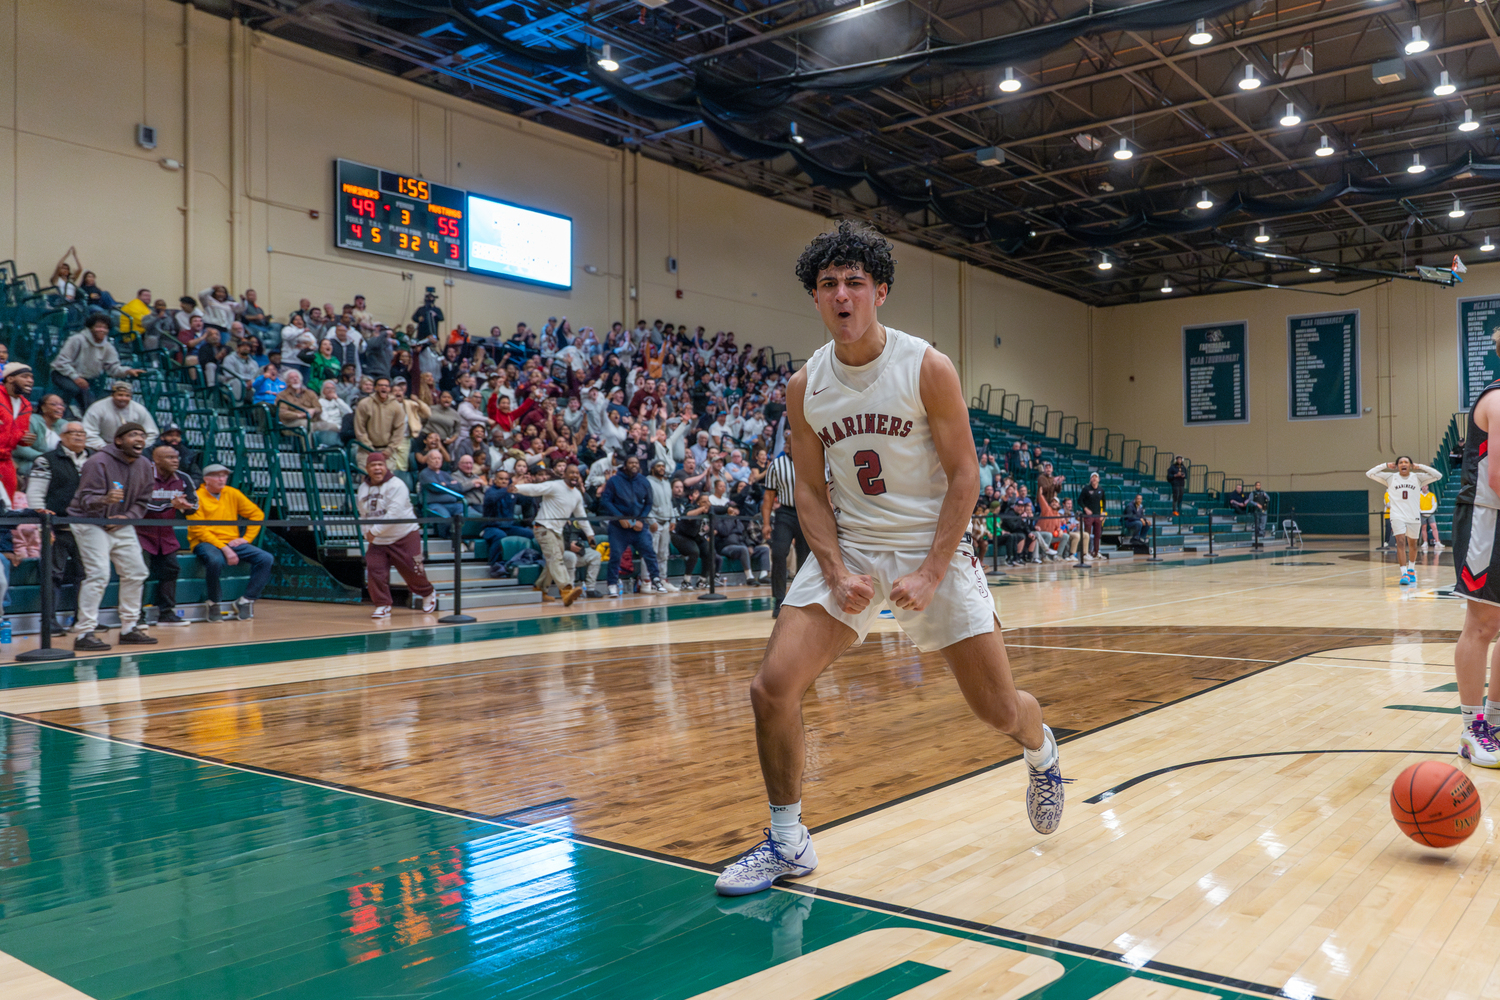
(409,218)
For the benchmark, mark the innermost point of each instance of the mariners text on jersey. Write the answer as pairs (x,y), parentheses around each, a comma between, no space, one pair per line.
(882,424)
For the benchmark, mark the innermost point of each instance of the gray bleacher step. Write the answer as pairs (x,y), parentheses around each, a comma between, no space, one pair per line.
(475,572)
(503,597)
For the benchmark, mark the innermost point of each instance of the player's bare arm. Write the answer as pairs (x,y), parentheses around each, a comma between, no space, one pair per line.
(1486,416)
(943,398)
(853,591)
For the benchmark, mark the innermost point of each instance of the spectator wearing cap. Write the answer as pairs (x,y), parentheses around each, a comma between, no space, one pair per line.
(172,495)
(50,487)
(108,415)
(221,545)
(84,357)
(114,484)
(382,497)
(187,456)
(15,420)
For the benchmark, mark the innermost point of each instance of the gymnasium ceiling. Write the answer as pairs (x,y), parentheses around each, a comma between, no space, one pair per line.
(713,86)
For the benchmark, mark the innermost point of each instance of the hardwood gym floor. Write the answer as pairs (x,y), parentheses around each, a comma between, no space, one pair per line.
(533,806)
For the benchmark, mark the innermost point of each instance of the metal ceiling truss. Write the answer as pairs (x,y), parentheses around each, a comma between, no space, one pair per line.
(1176,105)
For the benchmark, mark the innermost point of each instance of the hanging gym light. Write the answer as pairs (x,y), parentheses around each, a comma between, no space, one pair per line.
(1417,43)
(1010,84)
(1445,86)
(1200,35)
(1416,164)
(1291,117)
(1251,81)
(1468,124)
(1205,201)
(606,62)
(1325,148)
(1124,152)
(1262,236)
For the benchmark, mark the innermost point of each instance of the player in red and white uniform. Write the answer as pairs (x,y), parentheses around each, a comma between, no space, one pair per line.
(885,412)
(1403,480)
(1476,560)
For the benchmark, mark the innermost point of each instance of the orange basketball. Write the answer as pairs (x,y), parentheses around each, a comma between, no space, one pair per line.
(1435,804)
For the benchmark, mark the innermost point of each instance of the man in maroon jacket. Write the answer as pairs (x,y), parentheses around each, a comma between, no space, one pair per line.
(172,494)
(15,421)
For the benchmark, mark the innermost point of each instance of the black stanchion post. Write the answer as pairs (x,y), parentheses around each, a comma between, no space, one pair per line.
(458,617)
(713,571)
(1210,534)
(1154,556)
(45,650)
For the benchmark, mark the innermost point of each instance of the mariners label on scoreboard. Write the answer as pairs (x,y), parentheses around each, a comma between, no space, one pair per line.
(394,215)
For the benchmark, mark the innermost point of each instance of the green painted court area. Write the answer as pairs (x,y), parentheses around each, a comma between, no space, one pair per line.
(127,872)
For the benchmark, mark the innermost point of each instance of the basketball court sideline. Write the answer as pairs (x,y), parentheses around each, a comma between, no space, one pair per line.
(541,808)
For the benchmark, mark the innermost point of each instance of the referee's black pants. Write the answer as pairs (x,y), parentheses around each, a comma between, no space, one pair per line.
(784,532)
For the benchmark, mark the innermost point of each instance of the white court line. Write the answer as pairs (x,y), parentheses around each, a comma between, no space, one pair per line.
(1381,670)
(1216,595)
(1139,652)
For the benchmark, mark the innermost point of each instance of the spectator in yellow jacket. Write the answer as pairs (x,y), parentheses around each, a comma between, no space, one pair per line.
(133,315)
(221,545)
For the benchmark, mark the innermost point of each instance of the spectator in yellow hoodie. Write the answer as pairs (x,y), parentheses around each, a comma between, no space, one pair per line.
(218,546)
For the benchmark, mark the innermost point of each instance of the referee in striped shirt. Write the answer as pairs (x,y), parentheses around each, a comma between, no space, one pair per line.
(780,479)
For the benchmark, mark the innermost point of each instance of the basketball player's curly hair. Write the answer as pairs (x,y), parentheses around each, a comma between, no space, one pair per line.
(852,244)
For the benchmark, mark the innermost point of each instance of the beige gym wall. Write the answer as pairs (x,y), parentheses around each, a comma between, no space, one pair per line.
(1408,367)
(263,120)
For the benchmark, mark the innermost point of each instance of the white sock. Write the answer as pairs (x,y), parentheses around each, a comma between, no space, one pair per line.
(786,825)
(1042,757)
(1491,709)
(1470,713)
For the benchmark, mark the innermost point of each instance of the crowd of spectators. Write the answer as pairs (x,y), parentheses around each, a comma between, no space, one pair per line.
(659,424)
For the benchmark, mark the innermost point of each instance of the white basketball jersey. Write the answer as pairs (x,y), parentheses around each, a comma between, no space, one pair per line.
(1406,497)
(888,485)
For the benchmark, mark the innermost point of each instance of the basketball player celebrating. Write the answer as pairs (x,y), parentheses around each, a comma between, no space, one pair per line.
(885,414)
(1475,530)
(1405,488)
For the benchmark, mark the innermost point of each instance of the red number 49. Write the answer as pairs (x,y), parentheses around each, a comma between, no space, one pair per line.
(868,464)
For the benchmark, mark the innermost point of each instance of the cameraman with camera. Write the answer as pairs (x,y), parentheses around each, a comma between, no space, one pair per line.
(428,317)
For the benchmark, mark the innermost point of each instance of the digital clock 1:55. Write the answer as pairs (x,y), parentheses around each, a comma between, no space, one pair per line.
(383,212)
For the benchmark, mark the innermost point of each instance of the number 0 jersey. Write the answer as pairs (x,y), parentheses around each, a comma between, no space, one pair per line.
(888,485)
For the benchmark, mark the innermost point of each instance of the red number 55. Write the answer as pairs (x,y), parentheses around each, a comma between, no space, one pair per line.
(868,464)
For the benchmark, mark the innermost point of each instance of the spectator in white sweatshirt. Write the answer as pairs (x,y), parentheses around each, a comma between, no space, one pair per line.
(106,416)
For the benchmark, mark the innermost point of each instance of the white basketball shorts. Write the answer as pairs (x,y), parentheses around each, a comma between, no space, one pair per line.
(1407,528)
(961,607)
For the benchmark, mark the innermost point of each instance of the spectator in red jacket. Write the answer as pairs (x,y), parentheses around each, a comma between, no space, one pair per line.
(504,415)
(15,420)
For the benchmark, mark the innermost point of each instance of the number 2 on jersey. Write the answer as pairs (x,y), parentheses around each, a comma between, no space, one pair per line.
(868,464)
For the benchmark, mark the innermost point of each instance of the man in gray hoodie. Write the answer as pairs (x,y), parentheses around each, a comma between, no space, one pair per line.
(660,524)
(114,484)
(84,357)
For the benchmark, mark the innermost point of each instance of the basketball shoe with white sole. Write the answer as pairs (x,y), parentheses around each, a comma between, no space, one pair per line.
(1044,791)
(759,868)
(1478,744)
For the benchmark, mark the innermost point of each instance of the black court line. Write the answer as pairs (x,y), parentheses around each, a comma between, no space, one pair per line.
(993,930)
(1110,793)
